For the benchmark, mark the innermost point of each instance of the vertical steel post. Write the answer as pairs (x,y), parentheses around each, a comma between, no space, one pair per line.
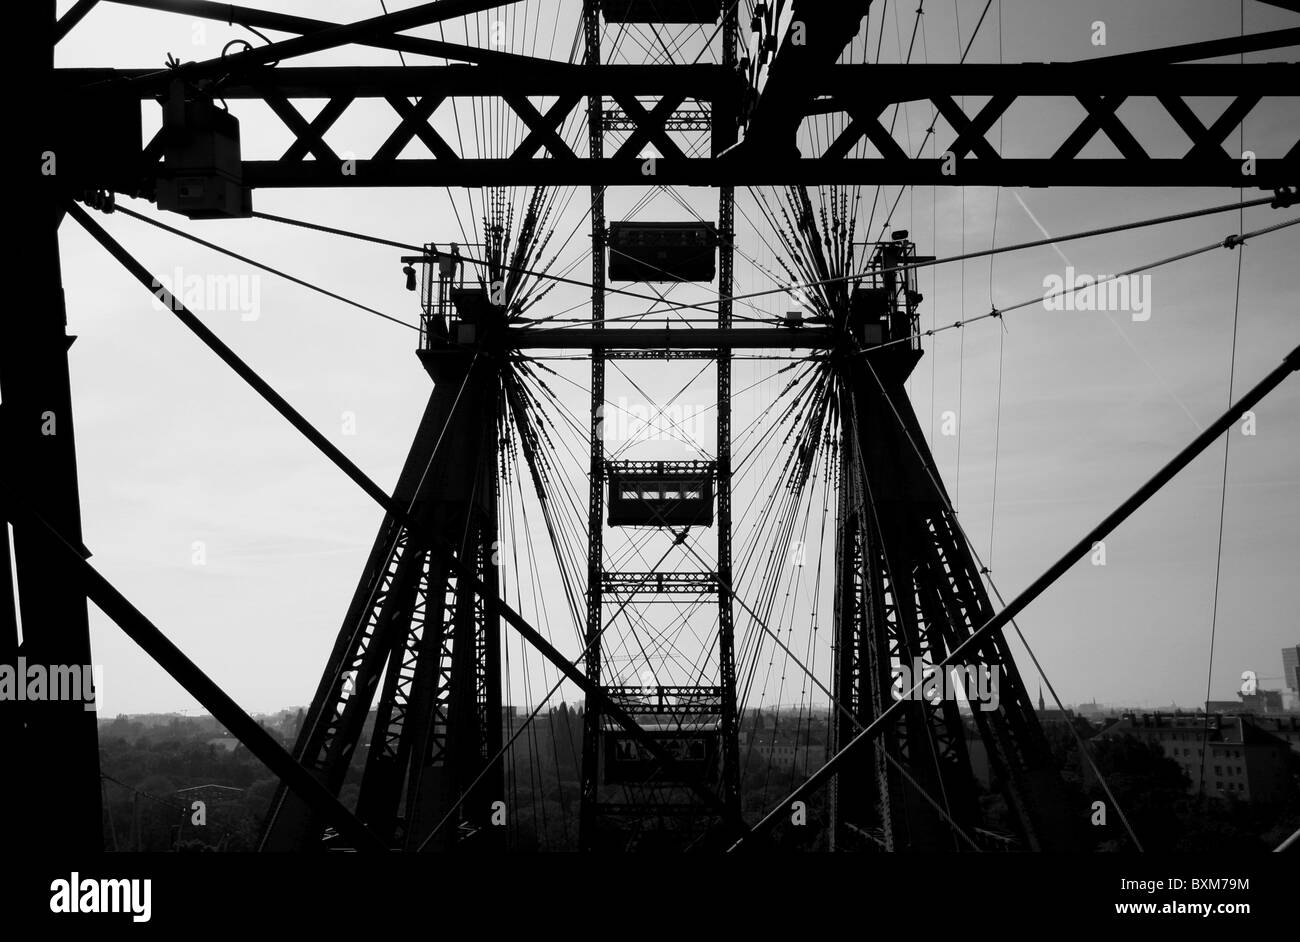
(58,744)
(595,522)
(726,280)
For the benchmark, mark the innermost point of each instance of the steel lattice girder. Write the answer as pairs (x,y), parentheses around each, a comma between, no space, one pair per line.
(417,625)
(910,589)
(863,92)
(624,584)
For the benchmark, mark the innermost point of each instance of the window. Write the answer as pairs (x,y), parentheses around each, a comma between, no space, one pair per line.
(1218,770)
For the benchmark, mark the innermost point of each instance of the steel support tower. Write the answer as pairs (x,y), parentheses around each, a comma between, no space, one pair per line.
(908,592)
(430,767)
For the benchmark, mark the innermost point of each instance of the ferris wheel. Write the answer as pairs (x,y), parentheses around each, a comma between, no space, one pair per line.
(698,275)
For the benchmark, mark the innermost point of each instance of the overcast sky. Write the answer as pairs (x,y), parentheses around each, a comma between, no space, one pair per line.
(175,451)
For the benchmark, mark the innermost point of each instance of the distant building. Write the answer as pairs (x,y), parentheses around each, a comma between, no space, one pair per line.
(1093,711)
(802,756)
(979,754)
(1055,717)
(210,793)
(1285,728)
(1291,668)
(1261,701)
(1241,760)
(1052,717)
(793,740)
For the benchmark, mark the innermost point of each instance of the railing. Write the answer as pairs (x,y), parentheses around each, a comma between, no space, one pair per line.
(708,469)
(676,701)
(891,270)
(444,271)
(659,583)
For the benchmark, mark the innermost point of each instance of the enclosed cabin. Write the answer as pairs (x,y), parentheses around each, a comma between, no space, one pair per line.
(661,11)
(663,251)
(202,172)
(660,493)
(883,306)
(692,745)
(684,721)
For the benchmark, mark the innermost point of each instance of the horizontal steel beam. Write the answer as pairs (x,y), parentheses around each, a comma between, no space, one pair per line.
(859,84)
(893,82)
(1036,172)
(659,583)
(702,81)
(710,338)
(969,99)
(621,809)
